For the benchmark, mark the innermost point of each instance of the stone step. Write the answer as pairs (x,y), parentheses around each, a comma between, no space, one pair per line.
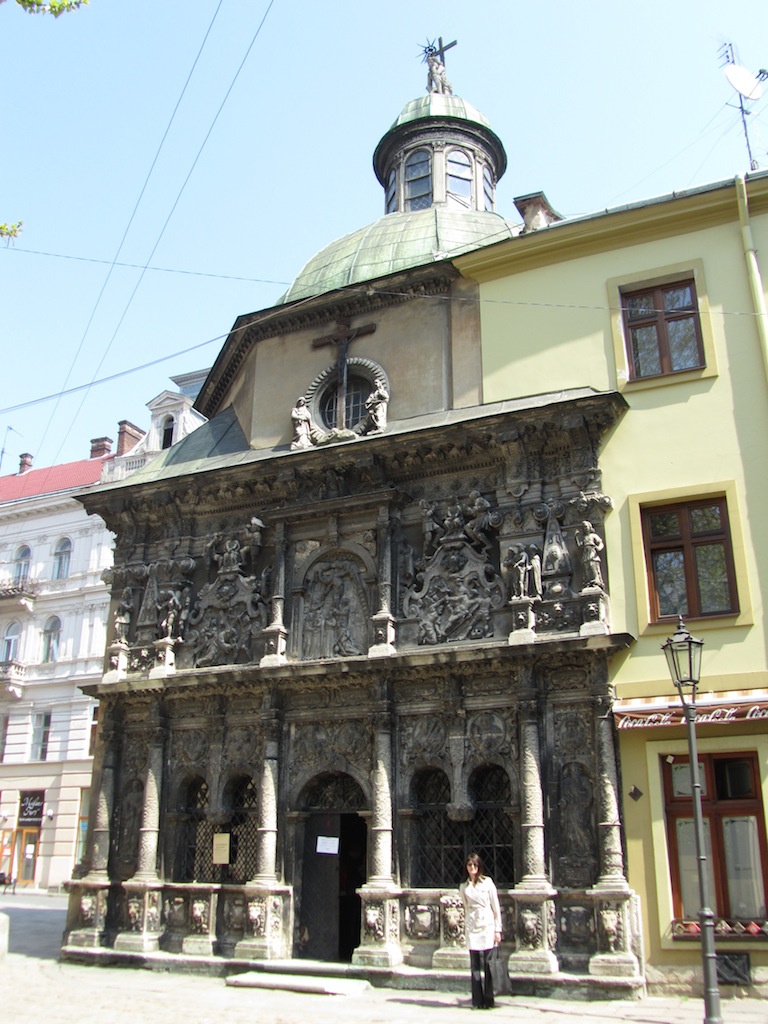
(326,986)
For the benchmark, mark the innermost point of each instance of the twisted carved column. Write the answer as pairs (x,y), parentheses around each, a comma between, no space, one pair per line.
(149,832)
(611,854)
(534,867)
(266,848)
(381,823)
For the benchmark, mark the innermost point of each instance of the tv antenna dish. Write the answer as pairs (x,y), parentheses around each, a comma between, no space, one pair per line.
(748,86)
(744,82)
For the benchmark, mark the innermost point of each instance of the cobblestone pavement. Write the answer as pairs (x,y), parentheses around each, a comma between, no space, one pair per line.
(33,982)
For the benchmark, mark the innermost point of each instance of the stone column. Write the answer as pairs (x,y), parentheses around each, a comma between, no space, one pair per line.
(266,850)
(140,925)
(534,894)
(276,631)
(383,620)
(609,838)
(149,832)
(380,939)
(104,793)
(87,911)
(613,898)
(267,903)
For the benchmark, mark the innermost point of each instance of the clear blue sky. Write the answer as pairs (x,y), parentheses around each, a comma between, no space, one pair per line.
(598,104)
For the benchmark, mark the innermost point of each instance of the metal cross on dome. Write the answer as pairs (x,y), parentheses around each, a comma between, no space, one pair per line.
(439,51)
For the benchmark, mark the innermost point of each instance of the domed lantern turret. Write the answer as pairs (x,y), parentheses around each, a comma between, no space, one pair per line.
(439,164)
(440,151)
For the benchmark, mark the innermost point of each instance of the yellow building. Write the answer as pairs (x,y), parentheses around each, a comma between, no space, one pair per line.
(664,302)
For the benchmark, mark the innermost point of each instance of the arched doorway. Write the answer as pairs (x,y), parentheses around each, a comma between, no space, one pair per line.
(334,866)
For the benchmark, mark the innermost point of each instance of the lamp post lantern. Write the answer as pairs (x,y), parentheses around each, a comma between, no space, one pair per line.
(683,654)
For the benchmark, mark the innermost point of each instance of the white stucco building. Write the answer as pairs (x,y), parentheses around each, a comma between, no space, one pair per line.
(53,616)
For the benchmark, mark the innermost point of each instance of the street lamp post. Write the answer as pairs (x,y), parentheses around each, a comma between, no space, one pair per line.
(683,653)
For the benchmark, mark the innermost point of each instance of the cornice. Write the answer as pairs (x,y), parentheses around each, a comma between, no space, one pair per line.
(477,660)
(614,229)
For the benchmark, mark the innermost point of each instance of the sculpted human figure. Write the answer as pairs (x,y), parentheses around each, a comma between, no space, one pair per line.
(478,519)
(437,79)
(375,419)
(534,572)
(169,608)
(432,528)
(591,545)
(516,561)
(302,425)
(254,539)
(123,615)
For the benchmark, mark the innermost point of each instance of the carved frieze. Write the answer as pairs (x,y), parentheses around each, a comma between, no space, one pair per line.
(335,609)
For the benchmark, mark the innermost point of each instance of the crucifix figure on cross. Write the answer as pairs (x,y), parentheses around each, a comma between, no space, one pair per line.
(434,55)
(342,337)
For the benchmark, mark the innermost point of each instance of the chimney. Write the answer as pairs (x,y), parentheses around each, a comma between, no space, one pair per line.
(100,446)
(128,436)
(25,463)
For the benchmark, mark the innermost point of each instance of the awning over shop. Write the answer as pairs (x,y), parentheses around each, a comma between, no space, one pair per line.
(712,709)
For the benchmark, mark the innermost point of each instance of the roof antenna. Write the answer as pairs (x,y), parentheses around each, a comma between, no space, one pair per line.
(747,85)
(5,439)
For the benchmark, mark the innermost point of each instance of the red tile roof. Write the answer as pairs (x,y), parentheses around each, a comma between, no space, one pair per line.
(66,477)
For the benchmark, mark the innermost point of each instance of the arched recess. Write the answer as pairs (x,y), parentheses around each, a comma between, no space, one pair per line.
(333,840)
(241,801)
(193,861)
(492,829)
(129,810)
(437,843)
(334,606)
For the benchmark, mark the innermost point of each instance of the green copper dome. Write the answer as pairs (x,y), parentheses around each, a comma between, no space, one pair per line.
(398,241)
(438,163)
(436,104)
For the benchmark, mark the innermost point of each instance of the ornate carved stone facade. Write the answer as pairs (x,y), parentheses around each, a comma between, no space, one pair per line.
(345,656)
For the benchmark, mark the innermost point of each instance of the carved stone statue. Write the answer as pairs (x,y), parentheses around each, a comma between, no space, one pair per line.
(302,425)
(517,564)
(590,545)
(168,613)
(253,539)
(123,616)
(432,528)
(437,79)
(375,419)
(534,572)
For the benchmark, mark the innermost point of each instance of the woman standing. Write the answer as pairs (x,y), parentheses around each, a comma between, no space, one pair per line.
(483,928)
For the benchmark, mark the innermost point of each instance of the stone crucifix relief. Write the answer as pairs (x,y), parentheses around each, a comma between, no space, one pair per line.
(342,337)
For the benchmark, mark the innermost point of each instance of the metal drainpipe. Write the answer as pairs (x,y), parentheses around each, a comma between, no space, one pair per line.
(753,270)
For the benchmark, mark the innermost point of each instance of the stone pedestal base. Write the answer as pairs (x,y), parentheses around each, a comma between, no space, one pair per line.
(117,654)
(140,917)
(380,938)
(450,958)
(523,621)
(277,640)
(197,945)
(268,925)
(87,915)
(165,658)
(595,611)
(614,965)
(533,961)
(384,634)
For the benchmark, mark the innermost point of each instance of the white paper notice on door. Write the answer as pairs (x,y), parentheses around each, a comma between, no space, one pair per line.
(327,844)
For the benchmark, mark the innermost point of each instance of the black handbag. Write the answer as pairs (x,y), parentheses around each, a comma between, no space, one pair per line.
(497,965)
